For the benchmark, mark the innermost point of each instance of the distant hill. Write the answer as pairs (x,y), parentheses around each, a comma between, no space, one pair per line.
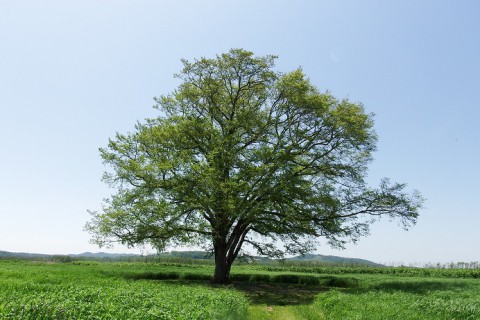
(186,255)
(22,255)
(334,260)
(194,255)
(103,255)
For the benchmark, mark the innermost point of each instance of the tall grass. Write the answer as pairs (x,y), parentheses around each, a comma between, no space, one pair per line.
(98,291)
(139,290)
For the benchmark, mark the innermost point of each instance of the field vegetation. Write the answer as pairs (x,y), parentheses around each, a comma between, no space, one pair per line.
(94,290)
(76,289)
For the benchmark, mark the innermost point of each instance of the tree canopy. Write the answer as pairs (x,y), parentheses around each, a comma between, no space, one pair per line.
(242,156)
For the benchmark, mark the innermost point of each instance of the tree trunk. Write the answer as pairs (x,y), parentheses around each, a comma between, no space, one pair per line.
(222,267)
(226,252)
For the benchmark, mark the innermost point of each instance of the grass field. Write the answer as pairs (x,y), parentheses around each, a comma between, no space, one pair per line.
(135,290)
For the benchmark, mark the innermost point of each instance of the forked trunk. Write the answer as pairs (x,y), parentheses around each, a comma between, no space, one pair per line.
(222,267)
(226,252)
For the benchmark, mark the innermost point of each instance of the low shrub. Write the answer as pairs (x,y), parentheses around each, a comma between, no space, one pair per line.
(240,277)
(340,282)
(309,280)
(264,278)
(285,278)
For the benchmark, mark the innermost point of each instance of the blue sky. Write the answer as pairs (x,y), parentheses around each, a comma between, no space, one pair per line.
(72,73)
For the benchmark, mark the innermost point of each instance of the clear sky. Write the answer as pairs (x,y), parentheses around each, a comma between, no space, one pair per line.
(72,73)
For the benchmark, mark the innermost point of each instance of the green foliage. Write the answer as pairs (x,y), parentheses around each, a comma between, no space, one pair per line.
(245,277)
(285,278)
(100,290)
(400,304)
(97,291)
(242,154)
(258,278)
(398,271)
(373,296)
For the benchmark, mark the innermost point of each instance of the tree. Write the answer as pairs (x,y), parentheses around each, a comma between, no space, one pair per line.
(242,155)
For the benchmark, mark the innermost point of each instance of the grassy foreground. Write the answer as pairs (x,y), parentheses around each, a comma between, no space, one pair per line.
(96,290)
(30,290)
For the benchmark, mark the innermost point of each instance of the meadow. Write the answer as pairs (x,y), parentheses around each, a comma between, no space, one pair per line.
(175,290)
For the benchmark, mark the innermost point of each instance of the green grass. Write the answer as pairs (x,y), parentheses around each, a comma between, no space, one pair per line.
(136,290)
(413,298)
(102,291)
(379,297)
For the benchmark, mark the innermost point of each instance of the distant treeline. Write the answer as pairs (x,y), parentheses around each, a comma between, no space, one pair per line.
(302,263)
(194,257)
(454,265)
